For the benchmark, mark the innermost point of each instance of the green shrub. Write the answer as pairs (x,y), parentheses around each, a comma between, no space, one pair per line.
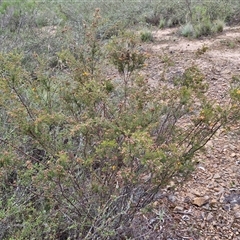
(153,20)
(172,22)
(83,152)
(146,36)
(162,23)
(218,26)
(187,30)
(235,95)
(207,17)
(203,29)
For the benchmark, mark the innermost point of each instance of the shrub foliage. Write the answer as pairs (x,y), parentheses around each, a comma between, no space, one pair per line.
(81,151)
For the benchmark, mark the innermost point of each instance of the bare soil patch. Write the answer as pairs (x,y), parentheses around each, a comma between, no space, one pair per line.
(207,205)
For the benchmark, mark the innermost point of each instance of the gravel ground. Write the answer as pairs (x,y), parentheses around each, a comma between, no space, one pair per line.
(207,205)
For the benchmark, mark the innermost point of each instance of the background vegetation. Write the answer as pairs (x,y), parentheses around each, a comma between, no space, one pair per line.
(82,152)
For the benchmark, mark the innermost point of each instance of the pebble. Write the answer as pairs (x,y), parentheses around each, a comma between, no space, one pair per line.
(199,201)
(236,207)
(216,176)
(197,193)
(178,209)
(172,198)
(202,225)
(237,215)
(206,206)
(213,202)
(209,217)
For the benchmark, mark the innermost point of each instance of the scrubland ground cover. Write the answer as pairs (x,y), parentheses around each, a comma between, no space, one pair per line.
(87,141)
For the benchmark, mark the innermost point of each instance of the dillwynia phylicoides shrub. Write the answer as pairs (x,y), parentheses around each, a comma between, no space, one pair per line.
(82,153)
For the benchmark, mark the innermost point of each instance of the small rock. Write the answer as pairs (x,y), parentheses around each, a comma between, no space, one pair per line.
(216,176)
(214,223)
(214,165)
(202,225)
(199,201)
(202,168)
(227,207)
(213,202)
(172,198)
(178,209)
(209,144)
(222,199)
(237,215)
(232,147)
(236,207)
(209,217)
(226,71)
(187,199)
(206,206)
(225,229)
(185,218)
(171,185)
(203,215)
(218,191)
(197,193)
(211,185)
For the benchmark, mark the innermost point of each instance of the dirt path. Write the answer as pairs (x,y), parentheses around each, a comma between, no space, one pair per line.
(207,206)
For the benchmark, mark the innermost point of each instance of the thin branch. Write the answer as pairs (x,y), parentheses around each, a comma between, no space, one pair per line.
(23,103)
(18,149)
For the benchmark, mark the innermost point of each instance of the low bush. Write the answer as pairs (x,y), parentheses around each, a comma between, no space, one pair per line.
(146,36)
(162,23)
(204,28)
(83,151)
(187,30)
(218,26)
